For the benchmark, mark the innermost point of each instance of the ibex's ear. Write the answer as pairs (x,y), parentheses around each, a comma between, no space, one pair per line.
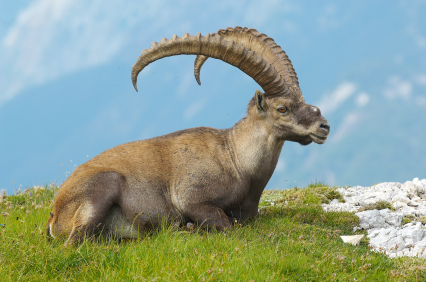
(259,99)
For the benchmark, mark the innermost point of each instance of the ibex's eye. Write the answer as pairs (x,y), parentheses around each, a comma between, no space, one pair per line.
(282,109)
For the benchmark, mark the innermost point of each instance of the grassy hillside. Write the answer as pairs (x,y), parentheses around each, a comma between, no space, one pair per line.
(291,239)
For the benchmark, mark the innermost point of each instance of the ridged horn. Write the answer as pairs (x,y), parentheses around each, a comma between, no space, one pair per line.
(198,63)
(212,45)
(262,45)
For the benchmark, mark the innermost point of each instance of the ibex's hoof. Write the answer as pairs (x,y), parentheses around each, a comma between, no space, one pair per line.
(190,227)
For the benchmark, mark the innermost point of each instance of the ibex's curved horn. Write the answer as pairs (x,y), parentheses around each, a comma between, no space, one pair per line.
(214,46)
(198,63)
(262,45)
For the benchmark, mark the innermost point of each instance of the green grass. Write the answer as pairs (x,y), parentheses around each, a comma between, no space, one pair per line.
(292,239)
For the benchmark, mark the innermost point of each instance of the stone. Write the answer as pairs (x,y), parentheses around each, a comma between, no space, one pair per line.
(391,218)
(413,203)
(370,219)
(401,198)
(423,182)
(398,205)
(410,188)
(354,239)
(395,244)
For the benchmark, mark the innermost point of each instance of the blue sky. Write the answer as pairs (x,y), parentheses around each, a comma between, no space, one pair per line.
(66,93)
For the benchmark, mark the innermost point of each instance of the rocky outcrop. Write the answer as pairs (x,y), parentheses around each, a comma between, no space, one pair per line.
(397,230)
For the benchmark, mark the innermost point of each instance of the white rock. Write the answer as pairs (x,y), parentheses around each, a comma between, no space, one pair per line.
(381,237)
(421,188)
(421,210)
(368,202)
(370,219)
(413,203)
(420,248)
(373,232)
(392,218)
(408,210)
(408,224)
(401,198)
(423,181)
(354,239)
(393,244)
(410,188)
(412,235)
(417,199)
(387,245)
(399,205)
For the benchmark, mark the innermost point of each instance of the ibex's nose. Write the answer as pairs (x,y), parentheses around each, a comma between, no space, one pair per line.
(325,126)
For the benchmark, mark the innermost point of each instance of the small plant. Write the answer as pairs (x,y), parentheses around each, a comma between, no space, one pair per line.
(317,184)
(407,219)
(422,219)
(380,205)
(333,194)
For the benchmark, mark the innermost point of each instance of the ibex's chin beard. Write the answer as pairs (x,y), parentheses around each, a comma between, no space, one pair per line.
(319,139)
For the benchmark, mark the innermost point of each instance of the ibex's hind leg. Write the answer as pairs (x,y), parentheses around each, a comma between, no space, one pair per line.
(102,194)
(84,224)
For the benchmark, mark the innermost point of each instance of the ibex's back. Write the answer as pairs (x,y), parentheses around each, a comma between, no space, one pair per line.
(201,175)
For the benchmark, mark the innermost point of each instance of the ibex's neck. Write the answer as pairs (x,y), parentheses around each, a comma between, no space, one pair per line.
(255,149)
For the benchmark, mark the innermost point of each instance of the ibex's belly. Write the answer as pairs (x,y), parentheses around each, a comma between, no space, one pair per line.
(141,207)
(117,226)
(120,225)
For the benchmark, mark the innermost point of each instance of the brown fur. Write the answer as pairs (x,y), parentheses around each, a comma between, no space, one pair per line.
(202,175)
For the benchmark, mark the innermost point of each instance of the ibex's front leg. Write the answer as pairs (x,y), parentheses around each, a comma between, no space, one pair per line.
(207,214)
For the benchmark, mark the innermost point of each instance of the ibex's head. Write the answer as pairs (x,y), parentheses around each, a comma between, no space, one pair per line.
(282,106)
(290,118)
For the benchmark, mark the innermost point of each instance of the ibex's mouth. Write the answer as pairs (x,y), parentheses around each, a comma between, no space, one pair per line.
(319,139)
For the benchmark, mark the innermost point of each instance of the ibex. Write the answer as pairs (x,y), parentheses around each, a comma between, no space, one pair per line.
(199,175)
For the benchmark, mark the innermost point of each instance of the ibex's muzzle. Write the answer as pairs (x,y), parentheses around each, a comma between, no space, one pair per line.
(320,133)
